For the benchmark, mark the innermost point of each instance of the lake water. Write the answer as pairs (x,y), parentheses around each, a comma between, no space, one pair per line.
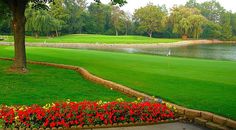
(206,51)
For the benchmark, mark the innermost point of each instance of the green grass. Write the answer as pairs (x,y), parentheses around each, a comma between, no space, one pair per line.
(195,83)
(48,84)
(88,38)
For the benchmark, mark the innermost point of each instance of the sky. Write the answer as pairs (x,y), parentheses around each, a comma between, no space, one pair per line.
(135,4)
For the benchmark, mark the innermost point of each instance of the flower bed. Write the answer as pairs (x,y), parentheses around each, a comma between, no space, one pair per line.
(67,114)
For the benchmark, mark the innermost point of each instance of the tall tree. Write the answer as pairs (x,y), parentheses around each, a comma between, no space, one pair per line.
(227,28)
(127,19)
(192,4)
(212,30)
(17,8)
(116,17)
(186,21)
(39,21)
(233,23)
(197,22)
(212,10)
(60,14)
(98,17)
(75,10)
(150,18)
(219,25)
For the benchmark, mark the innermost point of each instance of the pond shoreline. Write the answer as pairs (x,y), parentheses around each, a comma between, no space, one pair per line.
(119,46)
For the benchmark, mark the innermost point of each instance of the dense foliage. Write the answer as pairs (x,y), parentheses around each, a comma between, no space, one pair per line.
(5,19)
(153,22)
(187,21)
(210,20)
(69,114)
(220,21)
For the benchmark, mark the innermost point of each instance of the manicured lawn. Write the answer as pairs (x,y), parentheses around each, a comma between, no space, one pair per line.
(48,84)
(86,38)
(200,84)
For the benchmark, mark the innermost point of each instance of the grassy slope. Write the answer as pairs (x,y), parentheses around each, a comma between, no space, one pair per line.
(47,84)
(76,38)
(201,84)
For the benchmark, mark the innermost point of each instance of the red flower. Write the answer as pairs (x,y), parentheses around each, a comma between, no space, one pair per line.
(89,113)
(53,124)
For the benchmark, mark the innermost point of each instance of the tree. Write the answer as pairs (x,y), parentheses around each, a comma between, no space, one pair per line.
(39,21)
(212,30)
(99,18)
(127,20)
(116,18)
(59,13)
(227,28)
(186,21)
(197,22)
(233,23)
(192,4)
(74,21)
(212,10)
(150,18)
(219,24)
(17,8)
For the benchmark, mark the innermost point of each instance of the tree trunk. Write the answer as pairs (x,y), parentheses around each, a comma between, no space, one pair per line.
(36,35)
(117,33)
(150,34)
(184,37)
(126,30)
(18,23)
(57,33)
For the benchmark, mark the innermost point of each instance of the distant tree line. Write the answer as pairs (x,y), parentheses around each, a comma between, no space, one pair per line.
(207,20)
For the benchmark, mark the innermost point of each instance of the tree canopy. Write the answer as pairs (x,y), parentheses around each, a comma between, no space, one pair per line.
(79,16)
(150,18)
(233,22)
(187,21)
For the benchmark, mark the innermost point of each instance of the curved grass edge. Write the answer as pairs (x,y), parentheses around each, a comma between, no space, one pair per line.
(190,114)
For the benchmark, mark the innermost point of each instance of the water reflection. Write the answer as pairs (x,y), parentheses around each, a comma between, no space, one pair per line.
(130,50)
(207,51)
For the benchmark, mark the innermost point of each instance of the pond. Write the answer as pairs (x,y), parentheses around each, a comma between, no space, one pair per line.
(223,51)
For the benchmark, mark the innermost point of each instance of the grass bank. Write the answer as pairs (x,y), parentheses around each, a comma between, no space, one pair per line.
(88,38)
(48,84)
(195,83)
